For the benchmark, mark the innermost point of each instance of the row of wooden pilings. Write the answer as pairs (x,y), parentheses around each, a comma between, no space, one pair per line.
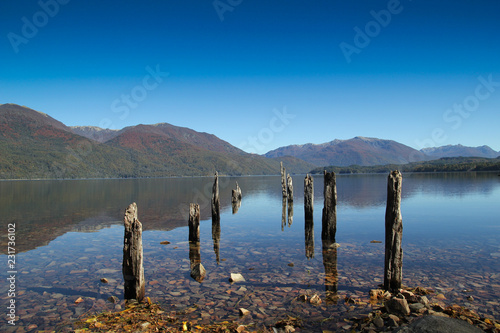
(133,269)
(393,263)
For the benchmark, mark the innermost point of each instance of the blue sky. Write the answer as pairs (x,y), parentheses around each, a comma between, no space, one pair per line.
(261,74)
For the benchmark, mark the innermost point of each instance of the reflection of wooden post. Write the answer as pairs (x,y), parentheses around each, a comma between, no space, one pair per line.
(308,197)
(331,273)
(329,228)
(289,188)
(290,213)
(215,199)
(283,214)
(393,270)
(198,272)
(194,223)
(132,267)
(309,236)
(283,180)
(216,239)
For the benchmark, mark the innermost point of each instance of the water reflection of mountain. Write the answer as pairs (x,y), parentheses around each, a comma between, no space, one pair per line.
(45,210)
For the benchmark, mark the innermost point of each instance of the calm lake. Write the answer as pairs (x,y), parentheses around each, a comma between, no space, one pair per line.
(69,235)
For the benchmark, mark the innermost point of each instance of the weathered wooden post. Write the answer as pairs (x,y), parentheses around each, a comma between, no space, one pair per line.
(283,180)
(289,188)
(197,270)
(236,194)
(215,199)
(308,197)
(132,266)
(331,273)
(194,223)
(236,198)
(290,213)
(309,237)
(393,270)
(329,228)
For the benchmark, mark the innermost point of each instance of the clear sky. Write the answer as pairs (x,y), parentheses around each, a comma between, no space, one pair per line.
(261,74)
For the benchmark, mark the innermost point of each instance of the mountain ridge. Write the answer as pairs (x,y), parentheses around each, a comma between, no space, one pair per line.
(34,145)
(460,150)
(359,150)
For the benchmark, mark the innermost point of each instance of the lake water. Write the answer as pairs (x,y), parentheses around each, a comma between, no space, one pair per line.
(69,235)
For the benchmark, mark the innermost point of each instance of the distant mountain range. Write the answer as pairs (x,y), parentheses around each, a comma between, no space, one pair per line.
(459,150)
(371,151)
(357,151)
(34,145)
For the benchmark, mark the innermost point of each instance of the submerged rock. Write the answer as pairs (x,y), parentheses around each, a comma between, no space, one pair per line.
(236,277)
(198,272)
(113,299)
(243,311)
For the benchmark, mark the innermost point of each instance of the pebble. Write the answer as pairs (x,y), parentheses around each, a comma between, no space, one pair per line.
(243,311)
(236,277)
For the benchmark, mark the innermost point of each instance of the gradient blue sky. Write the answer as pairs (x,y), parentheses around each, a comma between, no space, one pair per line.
(234,67)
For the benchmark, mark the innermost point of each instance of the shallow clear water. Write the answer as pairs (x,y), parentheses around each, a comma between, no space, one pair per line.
(69,235)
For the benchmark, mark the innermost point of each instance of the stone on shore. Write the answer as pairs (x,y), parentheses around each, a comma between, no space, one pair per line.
(397,306)
(435,324)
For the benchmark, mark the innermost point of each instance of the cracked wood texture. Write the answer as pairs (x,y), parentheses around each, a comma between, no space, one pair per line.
(132,267)
(393,270)
(329,217)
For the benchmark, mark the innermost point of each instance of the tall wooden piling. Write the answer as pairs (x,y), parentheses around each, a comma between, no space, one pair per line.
(289,191)
(194,223)
(308,197)
(329,227)
(393,270)
(132,266)
(290,213)
(215,199)
(283,180)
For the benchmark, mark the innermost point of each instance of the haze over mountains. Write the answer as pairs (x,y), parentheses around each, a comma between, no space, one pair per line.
(34,145)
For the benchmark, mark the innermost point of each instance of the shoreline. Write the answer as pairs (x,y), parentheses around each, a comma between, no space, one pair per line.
(391,312)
